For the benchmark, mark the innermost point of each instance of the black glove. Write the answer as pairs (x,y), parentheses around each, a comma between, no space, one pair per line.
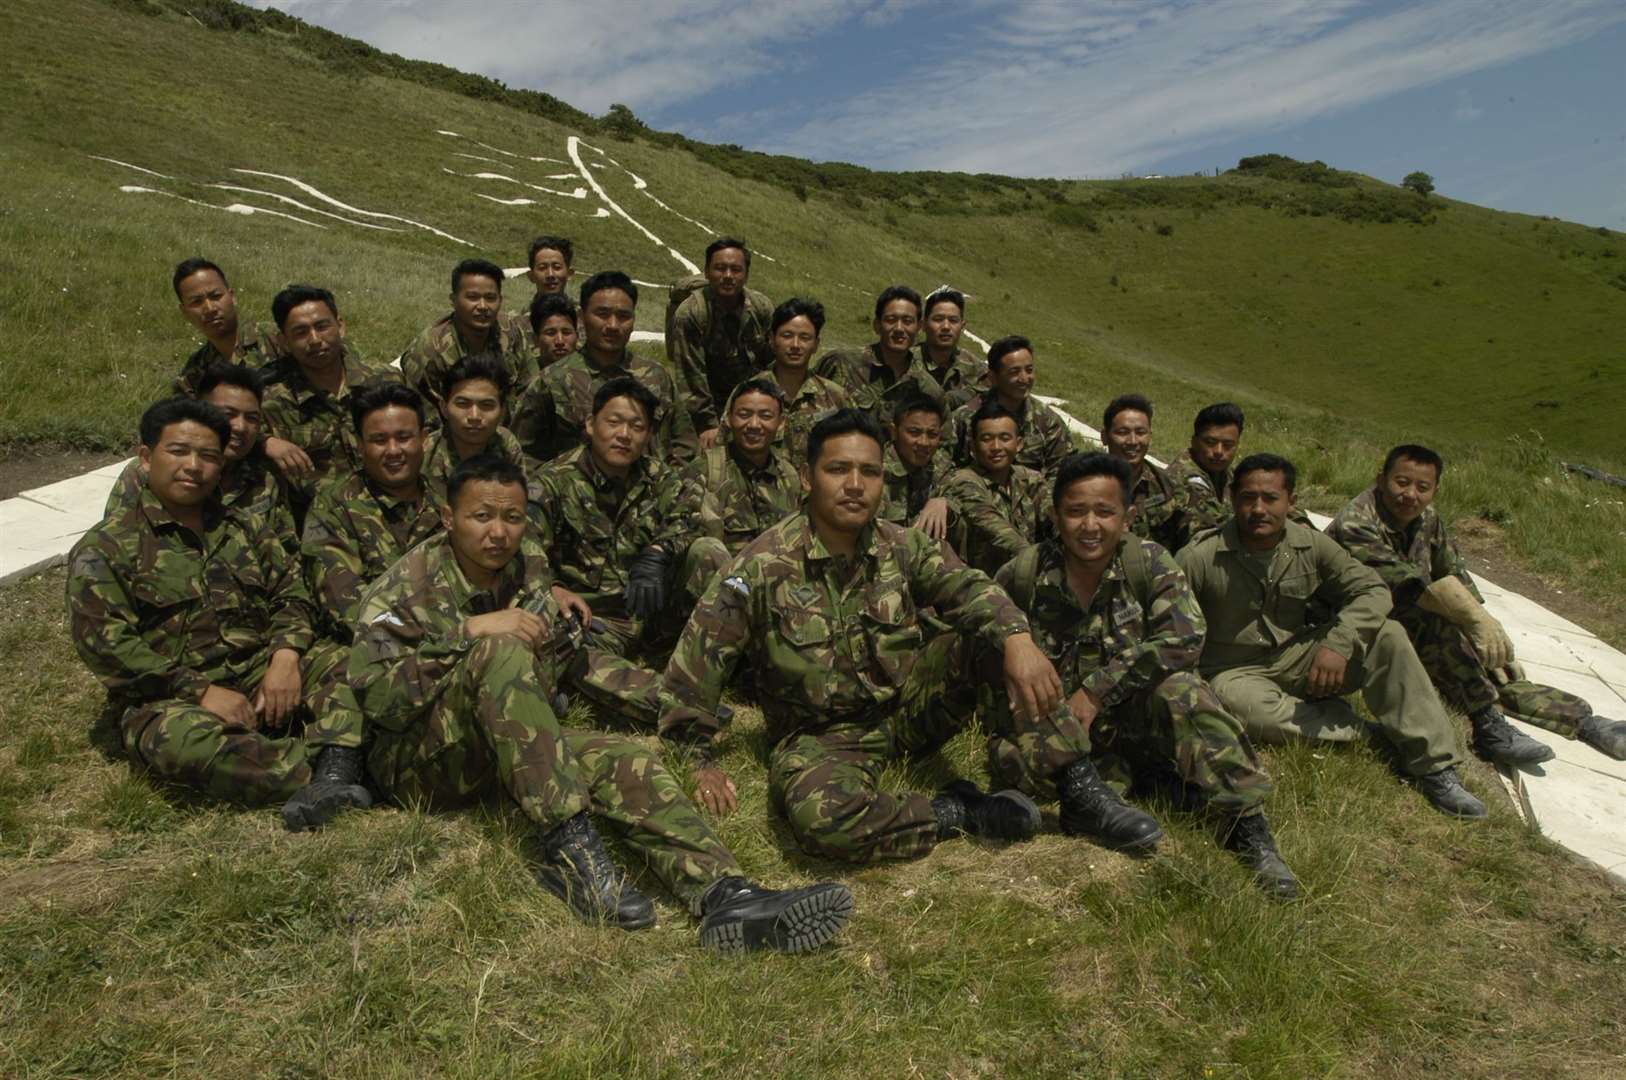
(646,582)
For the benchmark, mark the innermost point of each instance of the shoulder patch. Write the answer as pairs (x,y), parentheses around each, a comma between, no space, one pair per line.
(388,618)
(737,584)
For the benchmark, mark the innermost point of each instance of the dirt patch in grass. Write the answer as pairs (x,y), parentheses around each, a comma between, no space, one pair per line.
(1484,546)
(28,469)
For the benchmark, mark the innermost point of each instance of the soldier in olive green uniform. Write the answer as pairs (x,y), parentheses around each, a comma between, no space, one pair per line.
(793,338)
(553,411)
(1203,469)
(1159,502)
(887,371)
(719,336)
(210,305)
(1393,528)
(1045,438)
(1119,620)
(735,491)
(199,626)
(961,375)
(1282,668)
(996,507)
(471,409)
(449,669)
(476,324)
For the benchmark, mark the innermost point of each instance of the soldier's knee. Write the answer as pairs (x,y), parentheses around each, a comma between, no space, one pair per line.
(496,649)
(1179,686)
(705,559)
(823,826)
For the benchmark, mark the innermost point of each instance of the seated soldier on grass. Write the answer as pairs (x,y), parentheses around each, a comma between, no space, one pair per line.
(199,625)
(476,324)
(1282,667)
(553,321)
(718,336)
(1117,617)
(916,465)
(996,507)
(1204,467)
(1393,528)
(448,671)
(1159,503)
(736,490)
(471,397)
(883,373)
(361,525)
(826,610)
(554,411)
(1011,377)
(610,520)
(961,375)
(210,305)
(547,264)
(793,338)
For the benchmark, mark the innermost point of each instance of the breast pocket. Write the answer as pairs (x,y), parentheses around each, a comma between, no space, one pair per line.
(165,602)
(1293,594)
(801,655)
(892,637)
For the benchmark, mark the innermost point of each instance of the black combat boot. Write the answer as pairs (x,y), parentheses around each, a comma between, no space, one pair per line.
(737,914)
(335,785)
(1445,793)
(963,808)
(1500,743)
(580,872)
(1250,838)
(1090,808)
(1604,736)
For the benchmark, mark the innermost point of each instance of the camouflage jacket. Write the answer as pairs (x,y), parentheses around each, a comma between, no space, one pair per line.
(1208,497)
(1160,508)
(828,640)
(316,421)
(353,533)
(591,525)
(259,344)
(714,350)
(439,346)
(1408,560)
(962,378)
(410,635)
(1142,624)
(989,523)
(440,459)
(159,612)
(254,492)
(871,384)
(734,501)
(553,411)
(1251,614)
(1045,438)
(904,493)
(816,397)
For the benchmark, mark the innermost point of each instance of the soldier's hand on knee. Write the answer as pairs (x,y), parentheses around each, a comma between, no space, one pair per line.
(716,791)
(1084,707)
(280,690)
(230,706)
(1030,678)
(933,518)
(527,626)
(1327,671)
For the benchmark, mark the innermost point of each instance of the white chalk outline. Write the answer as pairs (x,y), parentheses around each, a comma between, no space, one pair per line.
(231,208)
(573,147)
(331,201)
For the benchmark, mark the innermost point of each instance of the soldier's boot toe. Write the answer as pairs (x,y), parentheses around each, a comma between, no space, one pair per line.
(1500,743)
(962,808)
(1605,736)
(738,915)
(1090,808)
(578,870)
(1445,793)
(336,785)
(1250,838)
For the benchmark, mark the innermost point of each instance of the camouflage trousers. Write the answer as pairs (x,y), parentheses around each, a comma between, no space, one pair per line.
(1269,699)
(492,728)
(184,743)
(828,782)
(620,672)
(1177,729)
(1454,666)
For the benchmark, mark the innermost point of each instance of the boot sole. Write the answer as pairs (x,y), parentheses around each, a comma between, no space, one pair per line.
(1033,819)
(803,925)
(552,882)
(325,807)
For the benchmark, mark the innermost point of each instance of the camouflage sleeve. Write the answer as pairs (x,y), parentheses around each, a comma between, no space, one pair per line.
(673,526)
(1448,560)
(333,566)
(1365,541)
(982,521)
(1173,640)
(400,661)
(707,653)
(1058,444)
(686,349)
(534,419)
(293,613)
(416,360)
(1203,507)
(696,503)
(526,363)
(683,443)
(967,599)
(1361,597)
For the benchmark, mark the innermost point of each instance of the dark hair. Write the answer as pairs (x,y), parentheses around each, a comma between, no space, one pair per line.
(991,409)
(477,268)
(760,384)
(896,292)
(549,243)
(176,410)
(219,374)
(487,466)
(547,305)
(919,403)
(843,421)
(723,243)
(1124,403)
(1082,466)
(294,295)
(794,307)
(628,387)
(943,294)
(1220,414)
(481,365)
(1265,463)
(608,279)
(187,267)
(1002,348)
(371,396)
(1414,452)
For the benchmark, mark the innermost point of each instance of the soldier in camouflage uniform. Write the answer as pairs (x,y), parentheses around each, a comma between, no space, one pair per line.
(452,670)
(1203,469)
(793,337)
(719,336)
(996,507)
(887,371)
(733,492)
(471,398)
(476,324)
(1119,620)
(610,518)
(961,375)
(1393,528)
(199,626)
(553,411)
(554,321)
(825,608)
(1045,438)
(1159,501)
(547,264)
(916,464)
(210,305)
(364,523)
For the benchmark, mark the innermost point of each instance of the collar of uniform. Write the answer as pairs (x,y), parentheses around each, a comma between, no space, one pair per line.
(1230,537)
(582,458)
(159,517)
(493,342)
(816,551)
(872,357)
(621,367)
(776,465)
(392,504)
(1406,532)
(292,376)
(509,578)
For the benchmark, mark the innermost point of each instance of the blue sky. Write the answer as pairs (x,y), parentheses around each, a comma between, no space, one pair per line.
(1517,104)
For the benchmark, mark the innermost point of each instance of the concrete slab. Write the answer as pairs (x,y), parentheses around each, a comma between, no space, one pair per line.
(40,526)
(1583,810)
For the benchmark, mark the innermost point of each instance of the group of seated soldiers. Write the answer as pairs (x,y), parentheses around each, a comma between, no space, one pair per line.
(326,581)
